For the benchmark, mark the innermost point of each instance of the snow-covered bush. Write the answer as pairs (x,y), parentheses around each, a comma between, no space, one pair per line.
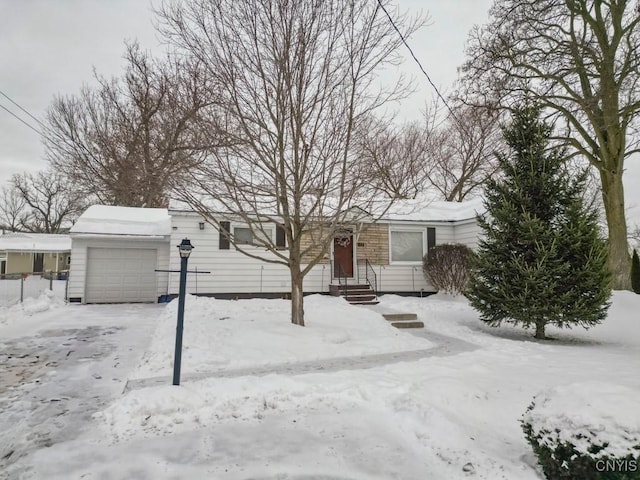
(586,431)
(446,267)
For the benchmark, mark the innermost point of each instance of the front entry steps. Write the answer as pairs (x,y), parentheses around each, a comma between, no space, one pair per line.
(403,320)
(355,294)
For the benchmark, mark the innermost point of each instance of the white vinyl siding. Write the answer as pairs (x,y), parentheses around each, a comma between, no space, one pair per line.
(401,278)
(468,233)
(232,272)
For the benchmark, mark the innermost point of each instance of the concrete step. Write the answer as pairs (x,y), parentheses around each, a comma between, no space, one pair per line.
(360,298)
(407,324)
(394,317)
(364,302)
(337,290)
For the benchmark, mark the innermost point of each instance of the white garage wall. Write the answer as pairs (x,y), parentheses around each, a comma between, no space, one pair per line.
(79,245)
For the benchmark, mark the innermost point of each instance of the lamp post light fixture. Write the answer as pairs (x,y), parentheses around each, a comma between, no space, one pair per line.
(184,249)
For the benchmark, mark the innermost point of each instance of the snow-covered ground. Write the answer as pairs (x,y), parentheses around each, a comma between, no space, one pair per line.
(447,412)
(222,334)
(32,287)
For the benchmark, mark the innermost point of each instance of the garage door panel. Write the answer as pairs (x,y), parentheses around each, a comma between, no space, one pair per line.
(121,275)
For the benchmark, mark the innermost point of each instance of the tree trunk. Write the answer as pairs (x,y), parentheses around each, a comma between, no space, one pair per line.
(297,296)
(613,199)
(540,330)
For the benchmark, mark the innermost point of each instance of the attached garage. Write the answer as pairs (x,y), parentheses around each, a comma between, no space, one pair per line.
(115,254)
(121,275)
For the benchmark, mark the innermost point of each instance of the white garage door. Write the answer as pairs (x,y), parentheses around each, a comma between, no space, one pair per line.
(121,275)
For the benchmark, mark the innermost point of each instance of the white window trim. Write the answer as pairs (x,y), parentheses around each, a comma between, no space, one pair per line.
(402,228)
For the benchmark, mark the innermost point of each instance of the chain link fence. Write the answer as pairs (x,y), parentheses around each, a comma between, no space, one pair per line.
(16,287)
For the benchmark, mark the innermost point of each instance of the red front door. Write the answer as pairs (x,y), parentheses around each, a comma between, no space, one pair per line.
(343,256)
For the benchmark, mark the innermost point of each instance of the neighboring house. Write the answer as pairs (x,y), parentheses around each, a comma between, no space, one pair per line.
(387,253)
(34,253)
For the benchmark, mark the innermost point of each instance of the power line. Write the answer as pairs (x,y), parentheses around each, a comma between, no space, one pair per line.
(21,108)
(21,120)
(415,58)
(44,132)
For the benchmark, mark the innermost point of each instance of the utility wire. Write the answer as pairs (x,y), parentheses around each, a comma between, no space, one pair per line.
(21,108)
(44,133)
(415,58)
(21,120)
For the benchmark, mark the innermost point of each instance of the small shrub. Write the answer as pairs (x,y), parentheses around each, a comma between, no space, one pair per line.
(635,272)
(446,267)
(586,431)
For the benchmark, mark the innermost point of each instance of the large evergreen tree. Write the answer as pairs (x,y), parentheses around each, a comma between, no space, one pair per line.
(542,260)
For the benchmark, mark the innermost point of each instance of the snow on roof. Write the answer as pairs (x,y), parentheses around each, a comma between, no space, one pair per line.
(35,242)
(421,210)
(110,220)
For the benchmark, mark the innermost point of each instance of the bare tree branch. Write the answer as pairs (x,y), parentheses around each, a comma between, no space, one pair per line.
(580,60)
(293,81)
(12,209)
(50,203)
(126,141)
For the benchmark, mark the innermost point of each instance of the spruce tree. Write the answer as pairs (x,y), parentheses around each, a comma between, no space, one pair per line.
(542,260)
(635,272)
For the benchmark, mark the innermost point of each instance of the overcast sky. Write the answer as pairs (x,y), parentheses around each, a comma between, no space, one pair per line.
(50,47)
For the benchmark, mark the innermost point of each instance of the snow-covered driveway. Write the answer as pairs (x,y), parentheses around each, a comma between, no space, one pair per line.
(61,366)
(238,415)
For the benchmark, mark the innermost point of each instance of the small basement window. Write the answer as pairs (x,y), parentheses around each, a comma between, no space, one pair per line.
(407,246)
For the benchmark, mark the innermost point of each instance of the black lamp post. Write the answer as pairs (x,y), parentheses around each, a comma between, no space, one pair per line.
(184,249)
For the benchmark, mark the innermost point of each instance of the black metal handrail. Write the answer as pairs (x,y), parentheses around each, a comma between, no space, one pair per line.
(369,274)
(371,277)
(342,279)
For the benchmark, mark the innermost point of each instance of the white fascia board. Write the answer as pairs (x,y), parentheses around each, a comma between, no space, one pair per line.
(120,236)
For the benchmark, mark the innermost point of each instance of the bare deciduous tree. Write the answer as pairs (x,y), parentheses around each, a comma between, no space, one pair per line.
(579,59)
(634,236)
(49,202)
(394,158)
(12,209)
(462,152)
(452,158)
(294,81)
(128,139)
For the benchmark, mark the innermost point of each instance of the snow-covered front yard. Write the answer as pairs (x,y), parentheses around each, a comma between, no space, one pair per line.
(347,397)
